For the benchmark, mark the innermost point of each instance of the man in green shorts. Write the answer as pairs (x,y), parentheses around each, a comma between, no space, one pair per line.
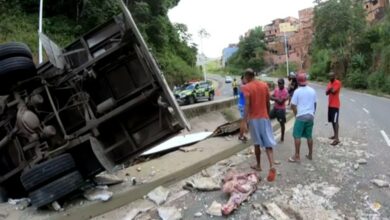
(303,104)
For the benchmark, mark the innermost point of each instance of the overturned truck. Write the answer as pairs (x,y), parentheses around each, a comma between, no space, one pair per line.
(97,103)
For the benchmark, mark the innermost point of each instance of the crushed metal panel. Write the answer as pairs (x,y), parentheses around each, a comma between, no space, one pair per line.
(177,142)
(53,51)
(228,128)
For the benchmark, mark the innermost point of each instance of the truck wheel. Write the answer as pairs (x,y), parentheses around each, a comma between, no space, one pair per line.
(191,100)
(15,69)
(211,96)
(56,189)
(14,49)
(47,171)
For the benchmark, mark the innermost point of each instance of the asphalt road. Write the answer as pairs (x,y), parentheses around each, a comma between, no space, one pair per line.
(224,90)
(364,130)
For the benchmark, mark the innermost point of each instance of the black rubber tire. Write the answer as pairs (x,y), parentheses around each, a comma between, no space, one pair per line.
(14,49)
(56,189)
(13,70)
(191,100)
(46,171)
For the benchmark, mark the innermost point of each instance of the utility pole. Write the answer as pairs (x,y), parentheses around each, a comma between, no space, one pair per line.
(286,50)
(203,34)
(40,31)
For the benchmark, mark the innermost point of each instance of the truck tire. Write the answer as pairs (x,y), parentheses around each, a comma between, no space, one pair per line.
(191,100)
(14,49)
(56,189)
(13,70)
(46,171)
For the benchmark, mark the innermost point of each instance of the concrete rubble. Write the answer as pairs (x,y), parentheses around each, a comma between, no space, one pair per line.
(169,213)
(105,179)
(275,211)
(380,183)
(203,184)
(98,193)
(215,209)
(20,204)
(198,214)
(159,195)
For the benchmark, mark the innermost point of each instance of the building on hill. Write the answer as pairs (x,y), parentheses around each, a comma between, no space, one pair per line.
(375,9)
(227,53)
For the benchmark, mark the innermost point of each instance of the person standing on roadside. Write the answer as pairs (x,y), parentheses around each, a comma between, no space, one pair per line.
(241,107)
(333,91)
(280,96)
(292,86)
(235,88)
(303,104)
(256,112)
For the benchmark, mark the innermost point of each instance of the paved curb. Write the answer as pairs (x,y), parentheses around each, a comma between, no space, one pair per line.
(128,195)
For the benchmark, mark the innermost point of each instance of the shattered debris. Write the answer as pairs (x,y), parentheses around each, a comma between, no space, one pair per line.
(20,204)
(375,206)
(275,211)
(362,161)
(169,213)
(203,184)
(139,169)
(198,214)
(98,193)
(380,183)
(159,195)
(215,209)
(56,206)
(356,166)
(107,179)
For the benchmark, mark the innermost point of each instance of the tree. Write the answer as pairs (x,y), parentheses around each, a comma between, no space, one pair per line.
(250,51)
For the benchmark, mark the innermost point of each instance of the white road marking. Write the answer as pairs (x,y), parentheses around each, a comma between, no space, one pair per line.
(352,100)
(368,112)
(387,139)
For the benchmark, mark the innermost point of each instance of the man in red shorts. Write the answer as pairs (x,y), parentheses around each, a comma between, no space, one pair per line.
(333,91)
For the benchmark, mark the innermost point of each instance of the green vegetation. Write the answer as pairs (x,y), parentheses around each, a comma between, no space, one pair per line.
(281,70)
(65,20)
(345,43)
(250,52)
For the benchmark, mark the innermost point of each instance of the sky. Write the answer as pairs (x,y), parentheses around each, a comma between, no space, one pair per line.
(227,20)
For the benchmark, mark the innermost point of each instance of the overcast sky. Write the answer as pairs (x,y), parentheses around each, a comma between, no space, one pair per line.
(227,20)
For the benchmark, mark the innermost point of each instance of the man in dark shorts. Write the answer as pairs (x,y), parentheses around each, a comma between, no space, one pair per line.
(256,112)
(235,88)
(280,96)
(293,85)
(333,91)
(303,104)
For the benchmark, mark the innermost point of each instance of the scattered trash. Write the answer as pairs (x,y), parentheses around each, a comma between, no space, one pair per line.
(169,213)
(240,187)
(375,206)
(215,209)
(356,166)
(56,206)
(203,184)
(133,181)
(101,194)
(198,214)
(362,161)
(380,183)
(20,204)
(159,195)
(275,211)
(107,179)
(139,169)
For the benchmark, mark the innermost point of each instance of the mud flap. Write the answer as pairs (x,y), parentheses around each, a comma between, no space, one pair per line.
(98,149)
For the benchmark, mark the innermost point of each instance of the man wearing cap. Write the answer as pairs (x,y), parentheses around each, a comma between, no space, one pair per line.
(333,91)
(256,112)
(280,96)
(303,104)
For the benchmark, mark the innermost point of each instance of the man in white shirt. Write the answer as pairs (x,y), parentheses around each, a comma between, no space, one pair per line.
(303,104)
